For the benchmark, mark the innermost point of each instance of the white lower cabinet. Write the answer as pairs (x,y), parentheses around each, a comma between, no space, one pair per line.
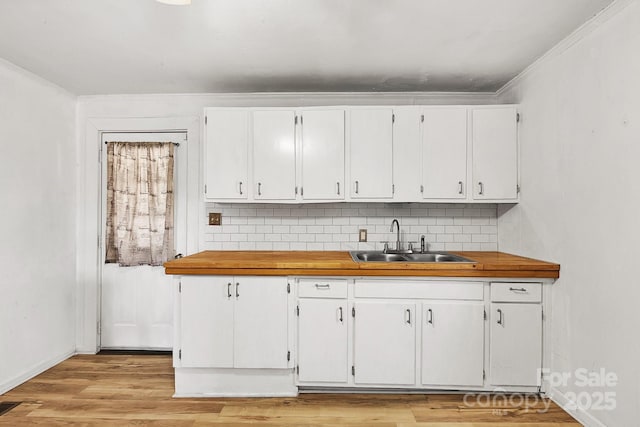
(384,343)
(516,344)
(516,334)
(322,341)
(453,343)
(233,322)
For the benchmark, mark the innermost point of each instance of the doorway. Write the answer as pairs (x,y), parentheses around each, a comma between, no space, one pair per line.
(136,302)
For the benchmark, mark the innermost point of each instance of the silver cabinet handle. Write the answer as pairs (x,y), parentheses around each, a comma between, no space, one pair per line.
(408,316)
(338,184)
(481,192)
(500,320)
(459,187)
(240,187)
(237,292)
(229,290)
(259,189)
(517,289)
(341,318)
(323,286)
(430,317)
(357,185)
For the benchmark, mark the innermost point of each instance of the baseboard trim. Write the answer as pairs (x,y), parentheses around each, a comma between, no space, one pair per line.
(36,370)
(581,415)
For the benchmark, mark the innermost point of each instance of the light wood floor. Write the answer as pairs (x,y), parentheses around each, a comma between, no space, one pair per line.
(120,390)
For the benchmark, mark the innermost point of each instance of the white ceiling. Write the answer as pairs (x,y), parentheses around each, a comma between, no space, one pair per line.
(141,46)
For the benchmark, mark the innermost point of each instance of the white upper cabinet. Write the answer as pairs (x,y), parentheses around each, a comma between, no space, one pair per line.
(406,158)
(495,153)
(322,142)
(444,153)
(226,151)
(371,153)
(274,155)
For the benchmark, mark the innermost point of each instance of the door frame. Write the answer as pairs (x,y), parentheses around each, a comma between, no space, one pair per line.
(89,225)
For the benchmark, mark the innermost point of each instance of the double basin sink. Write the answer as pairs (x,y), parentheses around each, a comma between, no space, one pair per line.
(379,256)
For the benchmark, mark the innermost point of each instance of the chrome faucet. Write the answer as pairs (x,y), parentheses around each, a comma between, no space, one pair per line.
(395,221)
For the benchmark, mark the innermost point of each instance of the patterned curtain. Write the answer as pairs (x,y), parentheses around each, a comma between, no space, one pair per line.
(140,203)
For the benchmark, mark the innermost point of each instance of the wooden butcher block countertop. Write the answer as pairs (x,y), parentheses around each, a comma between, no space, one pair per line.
(334,263)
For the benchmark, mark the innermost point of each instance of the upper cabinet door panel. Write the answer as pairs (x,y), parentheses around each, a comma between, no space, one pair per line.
(226,162)
(495,153)
(274,155)
(406,158)
(444,153)
(323,155)
(371,162)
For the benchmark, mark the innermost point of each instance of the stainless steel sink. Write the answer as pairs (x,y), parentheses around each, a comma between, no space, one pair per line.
(379,256)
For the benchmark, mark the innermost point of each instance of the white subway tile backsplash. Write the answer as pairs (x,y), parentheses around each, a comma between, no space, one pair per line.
(335,226)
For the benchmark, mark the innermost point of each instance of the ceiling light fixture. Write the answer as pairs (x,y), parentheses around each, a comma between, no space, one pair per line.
(175,2)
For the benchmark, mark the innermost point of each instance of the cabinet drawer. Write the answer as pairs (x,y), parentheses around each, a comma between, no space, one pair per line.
(320,288)
(516,292)
(406,289)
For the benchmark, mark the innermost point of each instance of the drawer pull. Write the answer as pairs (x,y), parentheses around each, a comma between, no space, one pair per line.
(341,318)
(323,286)
(430,317)
(500,320)
(517,289)
(408,316)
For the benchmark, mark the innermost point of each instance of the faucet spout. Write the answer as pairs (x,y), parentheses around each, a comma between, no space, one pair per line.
(395,221)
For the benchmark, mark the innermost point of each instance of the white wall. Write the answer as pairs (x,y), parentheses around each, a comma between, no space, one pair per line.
(580,200)
(37,225)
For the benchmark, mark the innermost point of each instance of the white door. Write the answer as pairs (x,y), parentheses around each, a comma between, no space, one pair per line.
(322,340)
(323,155)
(444,153)
(260,322)
(495,153)
(406,158)
(371,153)
(226,159)
(453,343)
(137,302)
(206,321)
(274,155)
(516,344)
(385,343)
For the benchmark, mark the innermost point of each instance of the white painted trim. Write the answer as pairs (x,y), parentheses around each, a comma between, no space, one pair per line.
(88,232)
(582,415)
(302,99)
(36,370)
(36,78)
(575,37)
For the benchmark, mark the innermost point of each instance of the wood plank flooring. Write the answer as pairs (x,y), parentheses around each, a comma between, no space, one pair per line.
(136,390)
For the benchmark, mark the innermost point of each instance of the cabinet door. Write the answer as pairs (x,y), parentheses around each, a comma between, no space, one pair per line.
(323,155)
(385,343)
(406,158)
(444,153)
(371,153)
(274,155)
(516,344)
(206,322)
(322,340)
(226,161)
(495,153)
(453,343)
(260,320)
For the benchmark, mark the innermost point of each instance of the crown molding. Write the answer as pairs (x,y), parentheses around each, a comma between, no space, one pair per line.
(575,37)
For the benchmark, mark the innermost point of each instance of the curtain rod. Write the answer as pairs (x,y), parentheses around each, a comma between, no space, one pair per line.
(177,144)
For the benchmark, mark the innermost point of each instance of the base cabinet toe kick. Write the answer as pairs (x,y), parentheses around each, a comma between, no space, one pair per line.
(279,336)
